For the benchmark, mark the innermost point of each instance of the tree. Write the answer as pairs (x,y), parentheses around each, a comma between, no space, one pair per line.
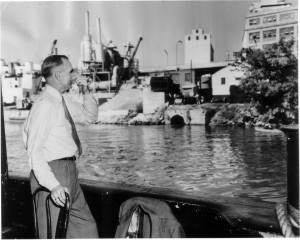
(271,80)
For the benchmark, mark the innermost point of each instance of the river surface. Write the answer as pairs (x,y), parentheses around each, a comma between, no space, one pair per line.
(223,161)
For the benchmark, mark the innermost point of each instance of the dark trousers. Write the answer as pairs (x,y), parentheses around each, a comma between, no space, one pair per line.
(81,222)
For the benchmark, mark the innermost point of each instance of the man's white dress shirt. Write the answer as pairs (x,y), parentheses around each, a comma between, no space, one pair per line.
(47,134)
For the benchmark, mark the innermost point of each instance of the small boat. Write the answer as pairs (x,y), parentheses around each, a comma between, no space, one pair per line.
(268,130)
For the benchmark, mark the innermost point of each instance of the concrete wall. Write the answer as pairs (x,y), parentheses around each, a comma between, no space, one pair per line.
(189,114)
(198,116)
(175,112)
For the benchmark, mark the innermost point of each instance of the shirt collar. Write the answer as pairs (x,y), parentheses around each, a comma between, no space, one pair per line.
(53,92)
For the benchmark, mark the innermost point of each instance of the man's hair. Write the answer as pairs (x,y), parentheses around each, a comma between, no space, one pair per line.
(50,63)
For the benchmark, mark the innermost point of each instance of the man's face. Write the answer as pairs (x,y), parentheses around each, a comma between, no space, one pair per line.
(66,73)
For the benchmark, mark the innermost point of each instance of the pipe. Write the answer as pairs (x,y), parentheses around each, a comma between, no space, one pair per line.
(87,23)
(86,45)
(100,48)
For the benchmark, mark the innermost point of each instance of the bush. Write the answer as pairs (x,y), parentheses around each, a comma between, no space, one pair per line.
(272,81)
(230,114)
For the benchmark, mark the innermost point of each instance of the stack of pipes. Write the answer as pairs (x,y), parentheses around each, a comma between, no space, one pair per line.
(87,47)
(99,49)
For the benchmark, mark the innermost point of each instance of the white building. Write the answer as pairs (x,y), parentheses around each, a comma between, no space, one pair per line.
(268,21)
(198,48)
(19,81)
(223,79)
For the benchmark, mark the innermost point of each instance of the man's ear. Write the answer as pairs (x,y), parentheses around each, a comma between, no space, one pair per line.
(57,75)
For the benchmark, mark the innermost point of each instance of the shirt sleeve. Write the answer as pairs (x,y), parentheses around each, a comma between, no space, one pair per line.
(82,107)
(37,129)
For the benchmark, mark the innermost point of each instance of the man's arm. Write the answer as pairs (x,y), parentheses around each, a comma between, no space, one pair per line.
(90,108)
(83,107)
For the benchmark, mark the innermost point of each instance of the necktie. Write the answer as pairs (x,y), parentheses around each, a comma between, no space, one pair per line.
(74,132)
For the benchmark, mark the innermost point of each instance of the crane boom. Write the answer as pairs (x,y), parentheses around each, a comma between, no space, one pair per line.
(52,51)
(135,50)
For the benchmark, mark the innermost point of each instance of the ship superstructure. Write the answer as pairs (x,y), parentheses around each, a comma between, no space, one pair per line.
(103,63)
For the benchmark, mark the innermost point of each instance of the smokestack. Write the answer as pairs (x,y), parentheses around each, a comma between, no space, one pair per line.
(100,48)
(87,23)
(86,44)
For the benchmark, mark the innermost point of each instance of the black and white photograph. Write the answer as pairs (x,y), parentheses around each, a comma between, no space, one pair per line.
(149,119)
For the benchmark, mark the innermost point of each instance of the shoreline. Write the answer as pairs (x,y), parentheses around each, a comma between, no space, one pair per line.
(207,114)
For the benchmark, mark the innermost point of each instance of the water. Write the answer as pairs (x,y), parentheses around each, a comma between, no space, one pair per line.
(232,162)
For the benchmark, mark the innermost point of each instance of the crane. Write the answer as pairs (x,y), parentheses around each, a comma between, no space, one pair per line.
(128,71)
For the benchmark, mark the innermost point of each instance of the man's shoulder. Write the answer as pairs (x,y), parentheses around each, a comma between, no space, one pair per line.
(45,104)
(45,101)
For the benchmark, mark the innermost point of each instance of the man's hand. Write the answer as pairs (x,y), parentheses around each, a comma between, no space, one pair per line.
(92,86)
(58,195)
(82,83)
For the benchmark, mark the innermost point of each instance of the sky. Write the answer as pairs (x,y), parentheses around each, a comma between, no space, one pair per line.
(29,28)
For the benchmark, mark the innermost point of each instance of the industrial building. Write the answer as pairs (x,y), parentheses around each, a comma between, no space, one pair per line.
(198,48)
(268,21)
(194,76)
(222,82)
(19,81)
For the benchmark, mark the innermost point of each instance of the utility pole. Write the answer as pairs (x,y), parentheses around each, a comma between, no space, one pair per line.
(179,41)
(191,71)
(167,56)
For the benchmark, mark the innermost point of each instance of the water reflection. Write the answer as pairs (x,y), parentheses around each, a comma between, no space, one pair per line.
(225,161)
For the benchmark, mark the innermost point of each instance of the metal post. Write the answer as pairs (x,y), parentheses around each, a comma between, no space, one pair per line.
(110,82)
(179,41)
(191,71)
(227,54)
(94,81)
(292,134)
(167,56)
(4,171)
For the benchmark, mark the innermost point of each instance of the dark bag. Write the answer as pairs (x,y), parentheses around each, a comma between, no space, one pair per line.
(147,218)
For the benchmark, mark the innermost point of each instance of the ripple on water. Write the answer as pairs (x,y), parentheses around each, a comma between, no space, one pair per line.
(224,161)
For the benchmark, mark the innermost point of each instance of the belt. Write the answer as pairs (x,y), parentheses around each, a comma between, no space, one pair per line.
(73,158)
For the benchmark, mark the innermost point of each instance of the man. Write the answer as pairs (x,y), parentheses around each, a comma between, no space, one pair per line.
(52,145)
